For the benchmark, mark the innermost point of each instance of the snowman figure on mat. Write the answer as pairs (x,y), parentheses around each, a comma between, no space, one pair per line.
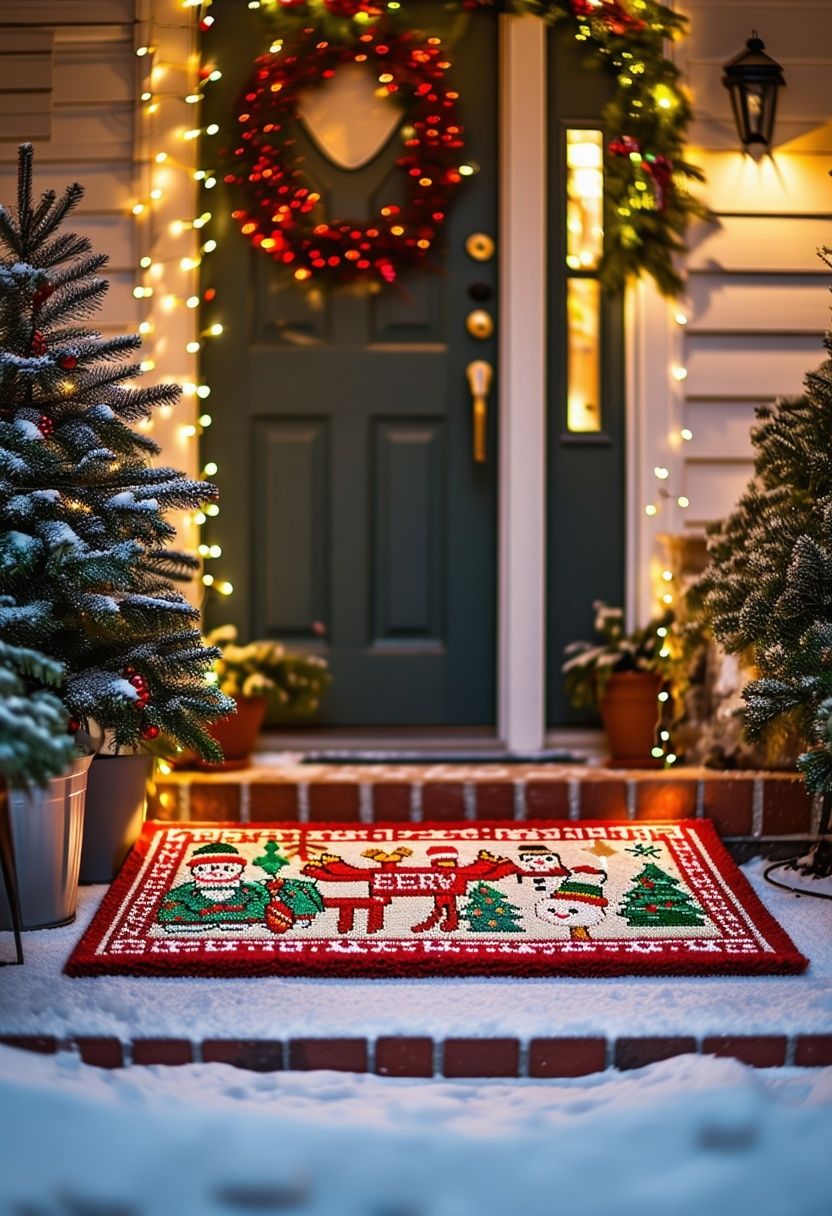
(578,904)
(541,864)
(216,896)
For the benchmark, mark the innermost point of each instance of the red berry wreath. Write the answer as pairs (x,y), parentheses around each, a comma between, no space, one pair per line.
(282,214)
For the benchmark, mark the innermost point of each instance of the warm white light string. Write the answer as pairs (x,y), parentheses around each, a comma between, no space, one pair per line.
(168,162)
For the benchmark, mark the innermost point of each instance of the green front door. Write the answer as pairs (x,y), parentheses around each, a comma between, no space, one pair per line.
(354,519)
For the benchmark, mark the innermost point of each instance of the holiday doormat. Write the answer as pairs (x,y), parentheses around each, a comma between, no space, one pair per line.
(556,898)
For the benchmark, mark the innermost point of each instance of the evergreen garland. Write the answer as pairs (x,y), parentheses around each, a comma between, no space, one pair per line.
(85,563)
(648,205)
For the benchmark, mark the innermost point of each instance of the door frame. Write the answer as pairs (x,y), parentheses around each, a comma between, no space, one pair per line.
(521,558)
(653,401)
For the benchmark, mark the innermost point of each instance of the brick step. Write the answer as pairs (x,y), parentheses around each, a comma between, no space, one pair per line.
(421,1056)
(745,806)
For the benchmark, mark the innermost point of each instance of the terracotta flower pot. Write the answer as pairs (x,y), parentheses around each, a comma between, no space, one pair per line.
(630,712)
(237,734)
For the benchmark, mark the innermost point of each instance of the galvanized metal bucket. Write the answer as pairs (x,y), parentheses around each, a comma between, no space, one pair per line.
(47,827)
(116,795)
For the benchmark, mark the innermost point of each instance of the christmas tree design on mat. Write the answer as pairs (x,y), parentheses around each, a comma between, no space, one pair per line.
(488,911)
(657,899)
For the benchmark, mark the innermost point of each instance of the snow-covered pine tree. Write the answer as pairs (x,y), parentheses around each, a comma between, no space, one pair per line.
(768,586)
(34,745)
(85,562)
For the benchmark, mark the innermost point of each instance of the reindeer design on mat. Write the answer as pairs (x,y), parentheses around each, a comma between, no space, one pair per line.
(444,878)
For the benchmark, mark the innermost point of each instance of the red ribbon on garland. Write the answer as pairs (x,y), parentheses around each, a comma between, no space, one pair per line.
(659,168)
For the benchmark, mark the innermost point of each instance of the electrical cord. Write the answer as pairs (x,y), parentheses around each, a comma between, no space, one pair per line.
(779,865)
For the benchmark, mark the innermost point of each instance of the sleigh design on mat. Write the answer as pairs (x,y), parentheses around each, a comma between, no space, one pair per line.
(522,899)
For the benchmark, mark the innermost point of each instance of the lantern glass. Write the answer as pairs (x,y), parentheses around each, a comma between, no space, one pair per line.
(753,80)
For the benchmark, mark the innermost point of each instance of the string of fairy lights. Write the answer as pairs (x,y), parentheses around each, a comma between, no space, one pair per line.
(175,153)
(169,163)
(666,583)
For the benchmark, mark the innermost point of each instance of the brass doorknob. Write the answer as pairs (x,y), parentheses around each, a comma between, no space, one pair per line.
(480,247)
(480,375)
(480,324)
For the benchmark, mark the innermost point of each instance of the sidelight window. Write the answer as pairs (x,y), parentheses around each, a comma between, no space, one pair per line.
(584,247)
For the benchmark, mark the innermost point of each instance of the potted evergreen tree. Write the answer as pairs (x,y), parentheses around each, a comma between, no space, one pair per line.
(767,590)
(42,779)
(86,554)
(622,675)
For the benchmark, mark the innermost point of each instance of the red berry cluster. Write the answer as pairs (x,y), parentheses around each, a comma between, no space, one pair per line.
(613,16)
(45,425)
(68,362)
(38,346)
(140,684)
(349,8)
(41,295)
(337,8)
(280,213)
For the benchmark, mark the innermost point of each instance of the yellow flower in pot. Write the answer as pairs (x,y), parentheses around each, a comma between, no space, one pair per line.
(264,679)
(622,675)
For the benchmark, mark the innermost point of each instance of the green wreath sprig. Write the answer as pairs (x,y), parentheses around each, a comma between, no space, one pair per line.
(648,203)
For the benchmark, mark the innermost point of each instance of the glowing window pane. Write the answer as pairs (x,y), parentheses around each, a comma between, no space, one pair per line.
(583,393)
(584,199)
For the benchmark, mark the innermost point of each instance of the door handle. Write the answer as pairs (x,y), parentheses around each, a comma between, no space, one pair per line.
(479,375)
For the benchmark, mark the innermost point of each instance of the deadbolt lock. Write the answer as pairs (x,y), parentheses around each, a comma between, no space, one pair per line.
(480,324)
(480,247)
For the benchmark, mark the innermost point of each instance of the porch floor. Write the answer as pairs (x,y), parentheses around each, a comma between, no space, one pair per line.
(451,1027)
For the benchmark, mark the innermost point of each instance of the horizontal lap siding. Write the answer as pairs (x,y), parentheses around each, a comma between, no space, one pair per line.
(758,295)
(68,84)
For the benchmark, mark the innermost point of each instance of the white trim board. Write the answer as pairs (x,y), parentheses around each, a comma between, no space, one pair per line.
(521,657)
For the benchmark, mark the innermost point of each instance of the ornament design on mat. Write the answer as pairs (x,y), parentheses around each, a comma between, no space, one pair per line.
(283,213)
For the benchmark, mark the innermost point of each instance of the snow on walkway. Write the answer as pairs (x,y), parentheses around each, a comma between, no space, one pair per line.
(38,999)
(685,1137)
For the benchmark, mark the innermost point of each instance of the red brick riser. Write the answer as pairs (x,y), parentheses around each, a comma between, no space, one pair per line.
(749,807)
(391,1056)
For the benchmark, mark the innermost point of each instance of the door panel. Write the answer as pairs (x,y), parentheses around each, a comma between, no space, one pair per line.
(354,520)
(586,527)
(408,509)
(290,459)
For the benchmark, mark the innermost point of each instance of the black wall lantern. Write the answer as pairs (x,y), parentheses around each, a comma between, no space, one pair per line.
(753,79)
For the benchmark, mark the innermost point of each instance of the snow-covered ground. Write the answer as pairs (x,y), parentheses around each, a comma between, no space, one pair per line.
(690,1136)
(38,999)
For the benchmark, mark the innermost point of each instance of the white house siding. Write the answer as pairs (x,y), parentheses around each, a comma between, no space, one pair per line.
(758,298)
(67,84)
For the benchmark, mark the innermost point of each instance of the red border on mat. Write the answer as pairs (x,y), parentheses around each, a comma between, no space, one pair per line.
(784,957)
